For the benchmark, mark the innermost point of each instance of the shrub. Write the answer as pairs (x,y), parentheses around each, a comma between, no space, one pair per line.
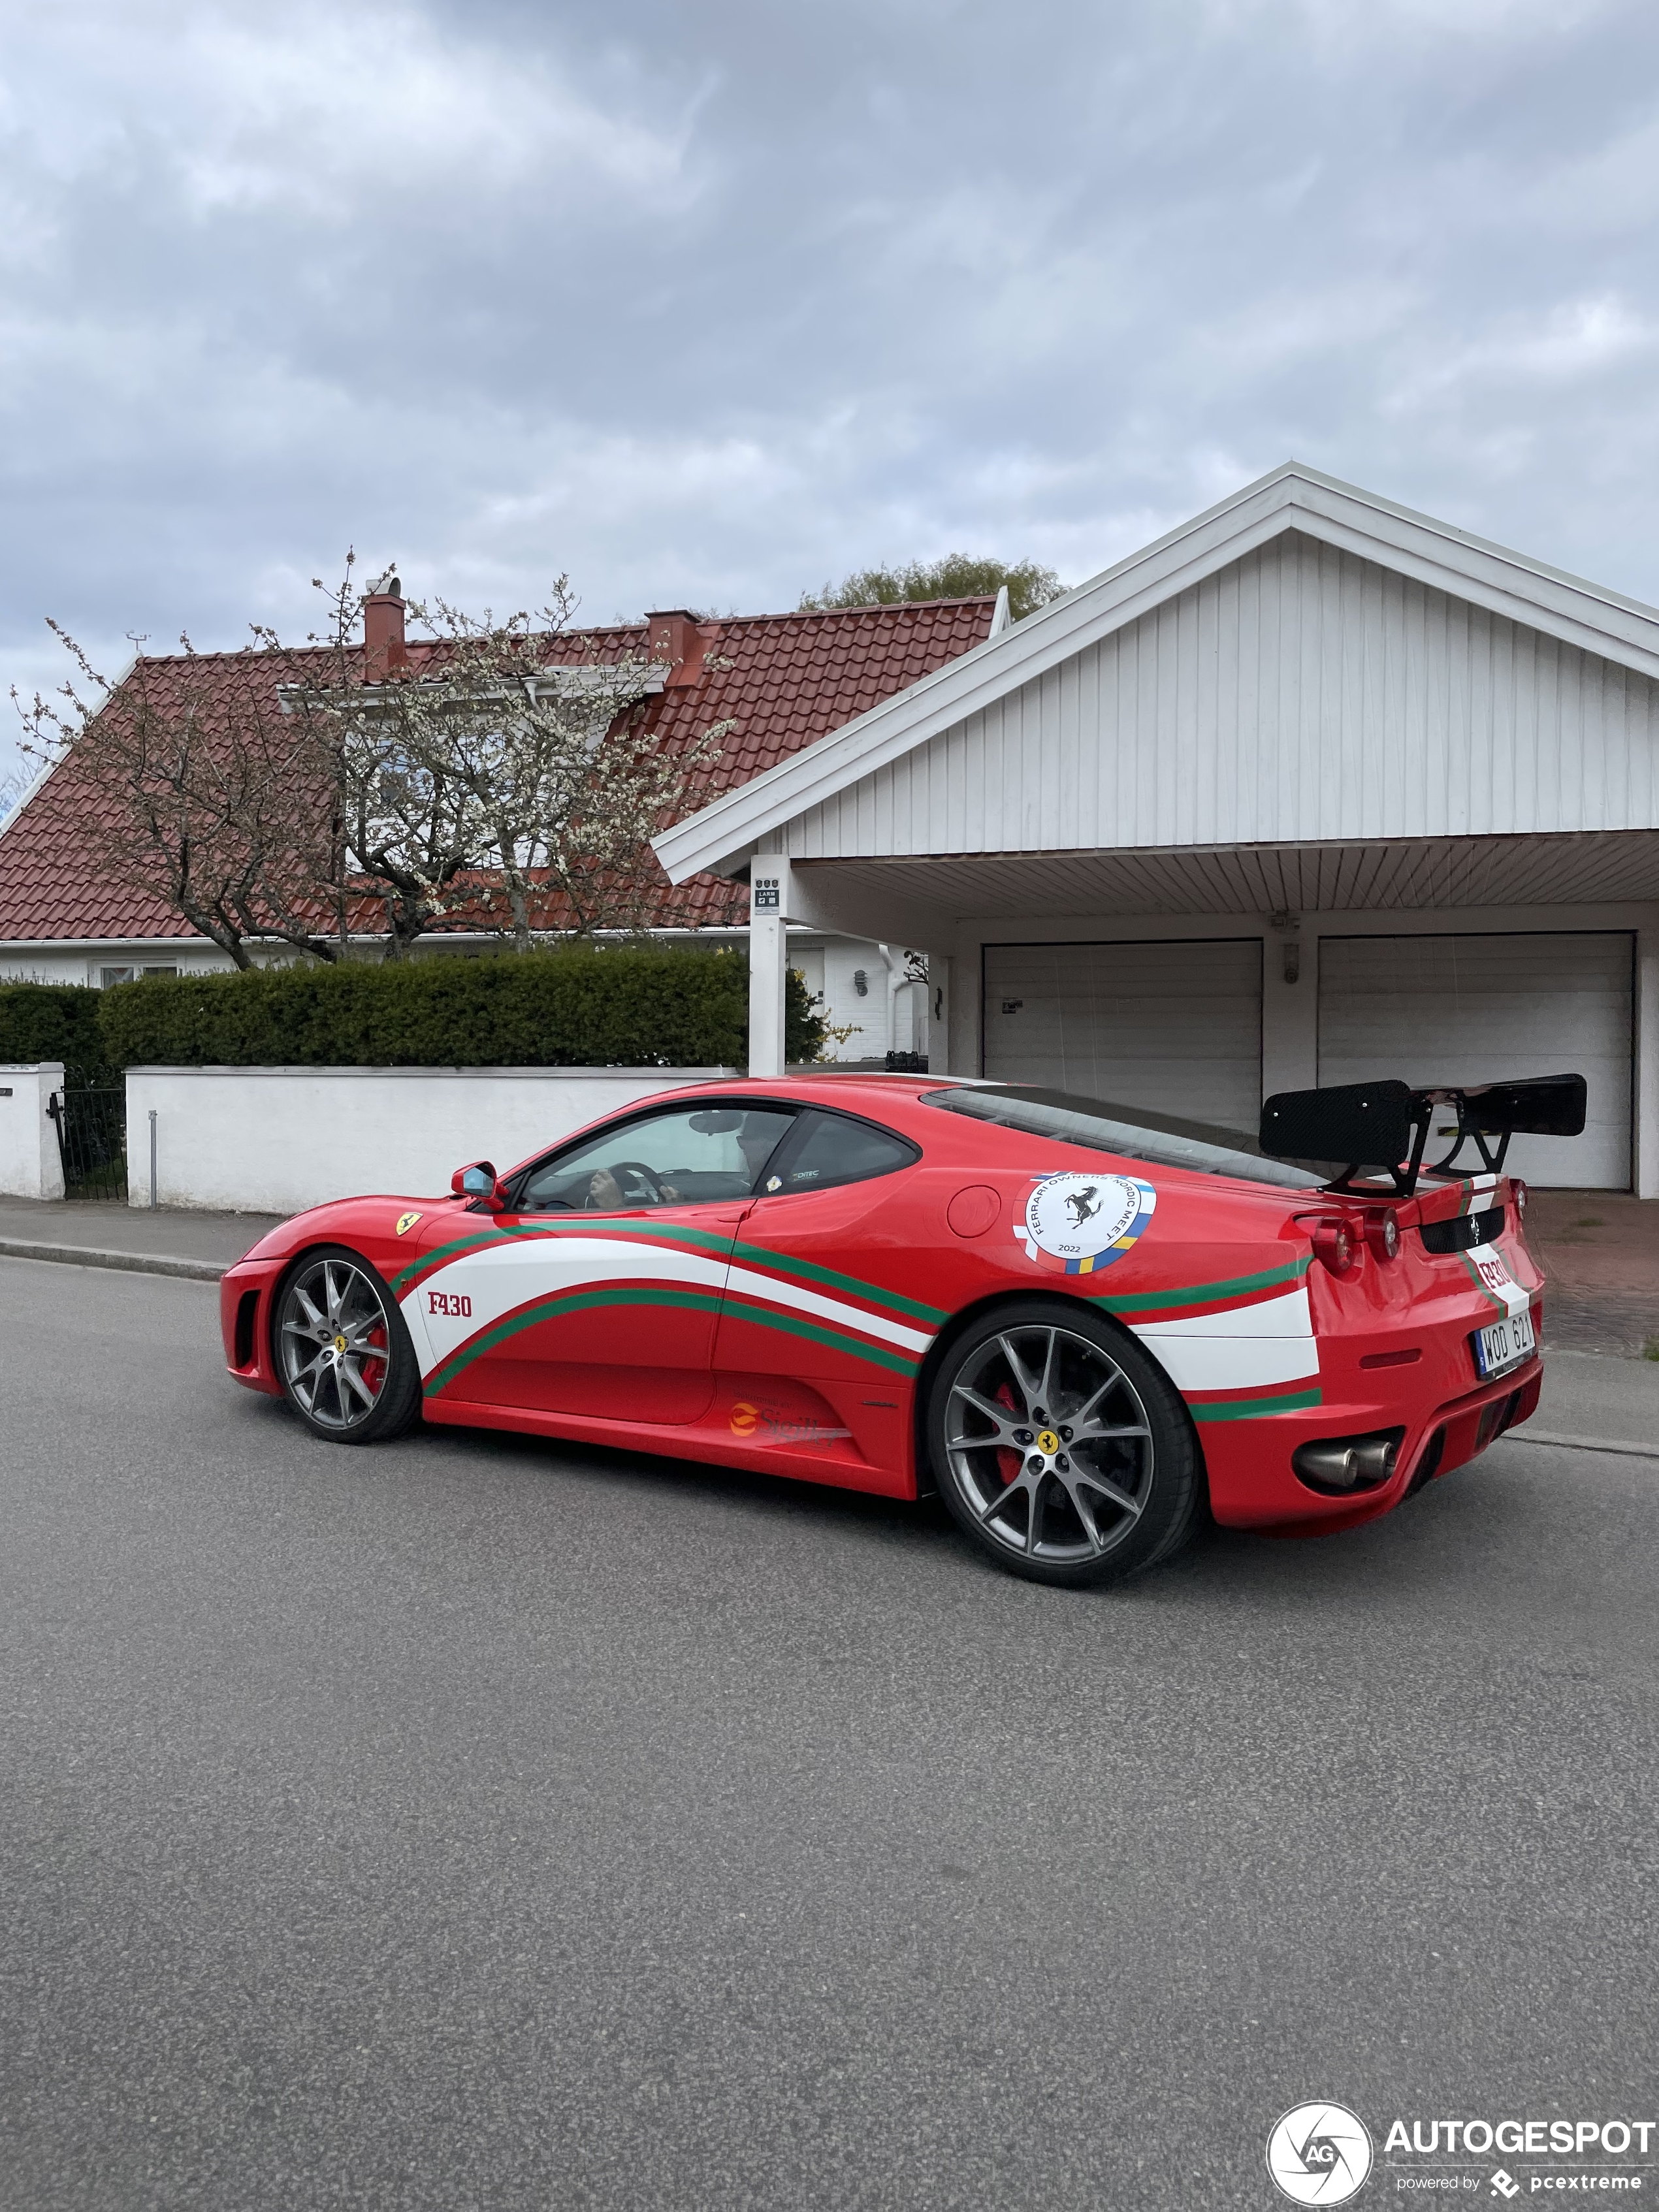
(629,1006)
(51,1021)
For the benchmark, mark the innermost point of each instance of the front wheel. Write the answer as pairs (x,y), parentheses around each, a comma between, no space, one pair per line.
(343,1353)
(1061,1447)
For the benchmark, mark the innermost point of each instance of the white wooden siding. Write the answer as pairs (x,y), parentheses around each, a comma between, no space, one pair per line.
(1175,1027)
(1478,1008)
(1302,693)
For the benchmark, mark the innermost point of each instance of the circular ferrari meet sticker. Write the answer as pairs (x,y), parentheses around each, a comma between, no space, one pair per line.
(1078,1223)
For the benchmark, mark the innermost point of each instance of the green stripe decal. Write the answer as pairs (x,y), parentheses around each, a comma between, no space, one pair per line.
(1485,1288)
(1205,1294)
(550,1309)
(565,1302)
(781,1263)
(442,1252)
(1248,1409)
(838,1339)
(757,1255)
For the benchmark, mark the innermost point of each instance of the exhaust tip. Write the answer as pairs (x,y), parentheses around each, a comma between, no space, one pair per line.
(1342,1467)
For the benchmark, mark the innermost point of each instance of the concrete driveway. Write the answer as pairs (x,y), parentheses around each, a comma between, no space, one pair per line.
(474,1823)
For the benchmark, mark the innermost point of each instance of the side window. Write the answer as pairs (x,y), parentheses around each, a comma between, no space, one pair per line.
(833,1148)
(676,1158)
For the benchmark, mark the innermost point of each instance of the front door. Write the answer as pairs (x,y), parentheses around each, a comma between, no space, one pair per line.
(600,1290)
(817,1347)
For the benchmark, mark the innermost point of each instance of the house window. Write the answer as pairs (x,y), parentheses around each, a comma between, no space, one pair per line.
(108,976)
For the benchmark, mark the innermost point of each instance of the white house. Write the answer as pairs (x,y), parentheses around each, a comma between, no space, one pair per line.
(1313,789)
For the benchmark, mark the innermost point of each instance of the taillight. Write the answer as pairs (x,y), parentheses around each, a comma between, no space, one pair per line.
(1336,1246)
(1382,1233)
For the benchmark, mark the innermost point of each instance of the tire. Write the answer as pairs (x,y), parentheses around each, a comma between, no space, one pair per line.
(1045,1498)
(341,1350)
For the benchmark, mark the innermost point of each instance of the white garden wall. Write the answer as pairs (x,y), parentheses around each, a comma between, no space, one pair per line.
(31,1165)
(278,1140)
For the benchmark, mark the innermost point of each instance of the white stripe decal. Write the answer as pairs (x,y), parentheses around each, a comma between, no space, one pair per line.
(799,1299)
(499,1279)
(1288,1316)
(1493,1269)
(503,1277)
(1233,1363)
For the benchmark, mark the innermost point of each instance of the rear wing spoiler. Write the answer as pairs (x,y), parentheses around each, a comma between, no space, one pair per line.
(1352,1125)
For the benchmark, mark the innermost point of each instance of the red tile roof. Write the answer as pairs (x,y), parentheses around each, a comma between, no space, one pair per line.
(783,681)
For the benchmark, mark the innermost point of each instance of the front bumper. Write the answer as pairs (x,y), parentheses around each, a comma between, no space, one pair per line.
(244,1296)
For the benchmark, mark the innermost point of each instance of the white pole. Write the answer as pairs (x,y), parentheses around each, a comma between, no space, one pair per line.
(152,1159)
(769,909)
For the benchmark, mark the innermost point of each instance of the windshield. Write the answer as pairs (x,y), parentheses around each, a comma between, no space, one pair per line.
(1129,1130)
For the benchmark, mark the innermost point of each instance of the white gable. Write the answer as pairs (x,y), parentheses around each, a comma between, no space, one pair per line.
(1302,693)
(1305,662)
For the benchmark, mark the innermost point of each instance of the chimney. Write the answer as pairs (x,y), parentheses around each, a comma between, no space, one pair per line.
(674,637)
(383,630)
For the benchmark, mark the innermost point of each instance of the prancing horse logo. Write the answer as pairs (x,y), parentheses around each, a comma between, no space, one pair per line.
(1084,1204)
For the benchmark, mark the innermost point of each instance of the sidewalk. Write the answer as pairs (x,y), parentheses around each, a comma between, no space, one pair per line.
(1600,1251)
(200,1244)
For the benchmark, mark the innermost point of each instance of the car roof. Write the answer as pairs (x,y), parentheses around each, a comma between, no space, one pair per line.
(840,1089)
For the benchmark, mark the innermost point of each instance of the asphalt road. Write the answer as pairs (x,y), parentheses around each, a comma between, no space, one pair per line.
(473,1823)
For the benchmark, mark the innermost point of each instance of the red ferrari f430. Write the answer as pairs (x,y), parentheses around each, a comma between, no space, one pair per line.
(1083,1324)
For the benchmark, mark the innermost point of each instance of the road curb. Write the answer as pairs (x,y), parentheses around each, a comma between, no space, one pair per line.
(1582,1443)
(132,1263)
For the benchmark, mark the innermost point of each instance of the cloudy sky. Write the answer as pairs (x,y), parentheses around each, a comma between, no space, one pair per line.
(705,304)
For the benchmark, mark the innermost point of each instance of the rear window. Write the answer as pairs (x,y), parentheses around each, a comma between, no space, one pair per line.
(1128,1130)
(833,1148)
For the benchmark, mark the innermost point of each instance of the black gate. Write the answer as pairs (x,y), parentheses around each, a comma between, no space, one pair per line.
(90,1112)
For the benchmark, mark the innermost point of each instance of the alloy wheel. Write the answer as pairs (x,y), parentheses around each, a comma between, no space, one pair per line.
(1050,1444)
(334,1344)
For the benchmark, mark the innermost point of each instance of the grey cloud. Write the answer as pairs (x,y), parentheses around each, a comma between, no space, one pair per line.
(708,304)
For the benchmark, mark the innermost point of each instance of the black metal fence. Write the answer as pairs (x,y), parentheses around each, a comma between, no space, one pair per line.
(90,1113)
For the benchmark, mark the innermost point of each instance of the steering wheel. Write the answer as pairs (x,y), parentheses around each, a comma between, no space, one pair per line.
(619,1168)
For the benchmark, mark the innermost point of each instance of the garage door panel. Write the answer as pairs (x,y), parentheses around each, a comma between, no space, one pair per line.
(1172,1026)
(1478,1009)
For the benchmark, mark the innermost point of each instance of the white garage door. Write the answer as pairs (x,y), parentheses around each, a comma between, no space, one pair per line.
(1173,1026)
(1474,1008)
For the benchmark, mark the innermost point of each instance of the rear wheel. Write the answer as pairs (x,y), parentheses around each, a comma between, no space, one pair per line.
(1061,1447)
(343,1353)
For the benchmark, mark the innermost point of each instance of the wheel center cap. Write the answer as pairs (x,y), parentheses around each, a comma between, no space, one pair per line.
(1048,1442)
(339,1347)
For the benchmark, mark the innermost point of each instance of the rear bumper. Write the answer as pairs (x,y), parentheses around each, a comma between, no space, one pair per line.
(1253,1485)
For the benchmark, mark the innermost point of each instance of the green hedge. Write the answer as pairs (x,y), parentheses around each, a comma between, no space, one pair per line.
(51,1021)
(630,1006)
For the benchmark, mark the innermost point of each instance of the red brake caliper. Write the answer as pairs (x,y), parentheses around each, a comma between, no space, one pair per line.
(1009,1461)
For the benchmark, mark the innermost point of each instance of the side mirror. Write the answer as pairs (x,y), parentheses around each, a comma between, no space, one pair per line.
(478,1181)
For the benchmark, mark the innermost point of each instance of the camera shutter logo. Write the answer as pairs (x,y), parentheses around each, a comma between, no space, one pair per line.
(1320,2154)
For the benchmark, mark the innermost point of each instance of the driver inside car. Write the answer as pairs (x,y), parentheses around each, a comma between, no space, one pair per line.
(756,1135)
(606,1194)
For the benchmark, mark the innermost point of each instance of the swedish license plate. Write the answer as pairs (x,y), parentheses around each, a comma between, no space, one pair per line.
(1503,1344)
